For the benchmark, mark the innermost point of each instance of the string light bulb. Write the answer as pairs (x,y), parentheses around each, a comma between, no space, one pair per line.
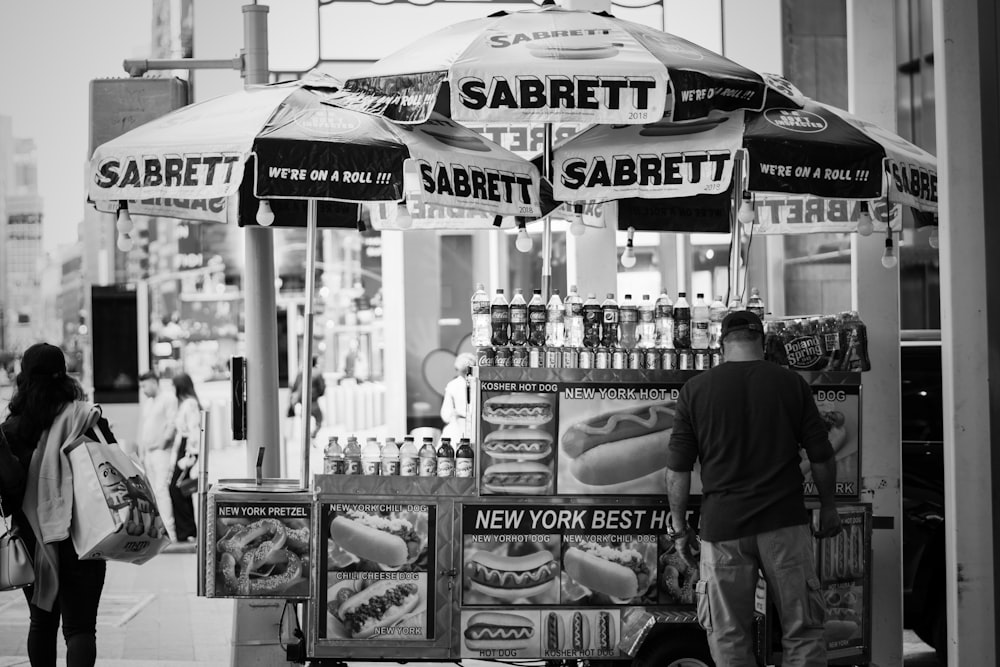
(865,224)
(933,240)
(265,216)
(523,242)
(746,214)
(628,255)
(124,223)
(889,259)
(125,242)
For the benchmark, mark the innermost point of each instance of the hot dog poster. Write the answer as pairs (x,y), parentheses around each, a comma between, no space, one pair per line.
(839,406)
(540,633)
(842,568)
(259,550)
(377,560)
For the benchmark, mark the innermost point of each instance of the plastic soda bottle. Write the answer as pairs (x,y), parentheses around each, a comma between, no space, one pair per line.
(518,319)
(333,458)
(445,459)
(371,457)
(699,323)
(536,319)
(682,322)
(482,332)
(610,315)
(352,457)
(716,313)
(663,313)
(573,318)
(554,326)
(592,321)
(629,322)
(390,457)
(428,458)
(409,461)
(755,304)
(646,329)
(500,319)
(464,459)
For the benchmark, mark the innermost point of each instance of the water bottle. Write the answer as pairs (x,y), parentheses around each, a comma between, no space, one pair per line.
(573,318)
(518,319)
(663,312)
(554,326)
(482,331)
(428,458)
(333,458)
(352,457)
(628,322)
(409,460)
(647,323)
(390,457)
(716,313)
(371,458)
(682,322)
(445,459)
(499,320)
(591,321)
(610,316)
(756,303)
(699,323)
(536,319)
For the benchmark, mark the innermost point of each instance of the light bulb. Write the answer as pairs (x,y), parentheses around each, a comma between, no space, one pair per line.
(403,218)
(865,224)
(265,216)
(889,254)
(577,228)
(746,214)
(628,257)
(523,242)
(125,242)
(124,223)
(933,240)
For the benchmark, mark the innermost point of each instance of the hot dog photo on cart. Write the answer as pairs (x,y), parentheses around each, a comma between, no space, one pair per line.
(518,444)
(609,570)
(501,571)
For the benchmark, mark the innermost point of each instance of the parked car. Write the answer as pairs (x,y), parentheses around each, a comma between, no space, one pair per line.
(924,604)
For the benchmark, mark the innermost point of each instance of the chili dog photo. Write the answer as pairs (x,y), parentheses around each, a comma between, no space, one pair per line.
(843,614)
(513,572)
(621,450)
(491,630)
(518,409)
(615,573)
(383,541)
(387,609)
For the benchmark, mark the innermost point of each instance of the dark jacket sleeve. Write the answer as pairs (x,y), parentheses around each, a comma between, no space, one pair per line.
(682,450)
(13,477)
(814,435)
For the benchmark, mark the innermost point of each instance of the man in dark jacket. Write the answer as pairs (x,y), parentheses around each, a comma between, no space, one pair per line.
(745,420)
(318,389)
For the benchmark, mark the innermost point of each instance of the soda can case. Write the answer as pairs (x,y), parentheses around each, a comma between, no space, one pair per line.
(570,357)
(519,357)
(504,357)
(258,541)
(486,357)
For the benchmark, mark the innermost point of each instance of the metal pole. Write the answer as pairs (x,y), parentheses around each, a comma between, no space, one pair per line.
(734,224)
(547,222)
(203,449)
(259,297)
(307,339)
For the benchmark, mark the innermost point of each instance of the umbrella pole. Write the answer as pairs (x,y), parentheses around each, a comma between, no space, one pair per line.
(736,242)
(547,222)
(307,339)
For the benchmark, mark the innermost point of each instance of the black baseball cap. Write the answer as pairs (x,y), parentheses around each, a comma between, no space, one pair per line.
(741,320)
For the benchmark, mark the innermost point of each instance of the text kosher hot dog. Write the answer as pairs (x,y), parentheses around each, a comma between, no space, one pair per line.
(391,541)
(511,577)
(619,446)
(619,573)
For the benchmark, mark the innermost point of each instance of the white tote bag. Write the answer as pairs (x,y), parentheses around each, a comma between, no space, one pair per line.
(114,510)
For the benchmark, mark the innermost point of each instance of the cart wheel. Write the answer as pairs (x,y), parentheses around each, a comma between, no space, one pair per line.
(673,649)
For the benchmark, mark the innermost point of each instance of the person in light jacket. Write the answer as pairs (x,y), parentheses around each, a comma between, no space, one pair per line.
(455,404)
(187,423)
(47,410)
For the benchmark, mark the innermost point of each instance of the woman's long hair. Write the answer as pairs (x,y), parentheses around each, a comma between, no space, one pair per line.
(38,400)
(184,388)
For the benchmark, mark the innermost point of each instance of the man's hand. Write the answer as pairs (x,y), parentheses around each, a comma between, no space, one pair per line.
(687,545)
(829,521)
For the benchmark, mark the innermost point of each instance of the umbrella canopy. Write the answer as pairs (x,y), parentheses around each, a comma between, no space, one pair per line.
(817,150)
(548,64)
(304,148)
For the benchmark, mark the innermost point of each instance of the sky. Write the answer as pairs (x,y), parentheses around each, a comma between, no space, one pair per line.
(49,52)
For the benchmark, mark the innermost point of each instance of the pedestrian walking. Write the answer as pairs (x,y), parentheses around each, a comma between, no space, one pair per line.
(47,410)
(187,430)
(156,440)
(318,389)
(745,421)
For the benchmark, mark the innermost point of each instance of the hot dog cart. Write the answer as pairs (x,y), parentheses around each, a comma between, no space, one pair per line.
(556,549)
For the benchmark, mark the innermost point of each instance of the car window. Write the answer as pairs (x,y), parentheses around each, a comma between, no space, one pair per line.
(921,394)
